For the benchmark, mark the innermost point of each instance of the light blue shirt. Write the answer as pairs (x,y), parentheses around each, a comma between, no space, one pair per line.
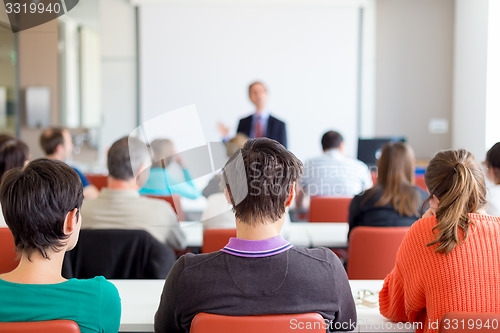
(263,118)
(334,174)
(162,182)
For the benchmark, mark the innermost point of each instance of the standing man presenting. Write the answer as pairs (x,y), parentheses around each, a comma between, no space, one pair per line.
(260,123)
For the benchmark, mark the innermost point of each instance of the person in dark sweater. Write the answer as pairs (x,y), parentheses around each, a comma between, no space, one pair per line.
(395,200)
(258,272)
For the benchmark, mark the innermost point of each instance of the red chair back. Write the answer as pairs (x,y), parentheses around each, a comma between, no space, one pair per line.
(216,239)
(174,201)
(8,254)
(469,322)
(98,181)
(329,209)
(372,251)
(283,323)
(52,326)
(420,182)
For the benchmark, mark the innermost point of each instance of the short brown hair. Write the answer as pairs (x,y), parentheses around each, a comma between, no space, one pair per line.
(253,84)
(331,140)
(456,179)
(51,138)
(259,179)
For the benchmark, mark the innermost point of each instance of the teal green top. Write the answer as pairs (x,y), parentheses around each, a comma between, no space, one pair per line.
(163,182)
(94,304)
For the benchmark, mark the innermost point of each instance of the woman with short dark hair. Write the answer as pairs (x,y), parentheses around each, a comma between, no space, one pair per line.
(450,258)
(41,205)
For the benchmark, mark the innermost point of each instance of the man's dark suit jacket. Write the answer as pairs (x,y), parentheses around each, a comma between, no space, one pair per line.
(276,129)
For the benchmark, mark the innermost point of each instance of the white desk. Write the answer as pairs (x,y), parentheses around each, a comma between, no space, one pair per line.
(140,299)
(333,235)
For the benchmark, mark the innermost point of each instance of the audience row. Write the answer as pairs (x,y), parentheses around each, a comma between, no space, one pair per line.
(258,272)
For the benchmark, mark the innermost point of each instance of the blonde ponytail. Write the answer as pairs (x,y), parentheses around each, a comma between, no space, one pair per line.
(455,178)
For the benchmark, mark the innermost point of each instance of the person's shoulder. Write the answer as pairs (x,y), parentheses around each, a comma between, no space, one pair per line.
(276,120)
(357,163)
(190,261)
(371,192)
(421,231)
(317,256)
(99,284)
(247,118)
(155,202)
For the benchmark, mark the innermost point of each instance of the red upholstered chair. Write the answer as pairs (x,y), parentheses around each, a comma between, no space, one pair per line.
(372,251)
(284,323)
(52,326)
(420,182)
(329,209)
(8,255)
(216,239)
(175,201)
(98,181)
(469,322)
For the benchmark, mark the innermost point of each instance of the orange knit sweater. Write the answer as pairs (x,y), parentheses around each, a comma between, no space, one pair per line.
(424,285)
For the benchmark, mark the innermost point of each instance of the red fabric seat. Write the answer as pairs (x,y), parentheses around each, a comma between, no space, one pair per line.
(52,326)
(8,254)
(329,209)
(174,201)
(216,239)
(372,251)
(97,180)
(283,323)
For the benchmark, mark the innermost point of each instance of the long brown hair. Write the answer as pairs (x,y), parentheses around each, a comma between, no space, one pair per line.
(396,176)
(456,179)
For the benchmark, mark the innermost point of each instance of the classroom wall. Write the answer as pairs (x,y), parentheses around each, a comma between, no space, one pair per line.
(414,71)
(470,76)
(118,72)
(306,52)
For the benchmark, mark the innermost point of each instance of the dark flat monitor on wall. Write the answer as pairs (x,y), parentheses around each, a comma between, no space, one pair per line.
(369,150)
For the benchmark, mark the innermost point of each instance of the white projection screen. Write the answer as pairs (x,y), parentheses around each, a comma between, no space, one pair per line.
(306,53)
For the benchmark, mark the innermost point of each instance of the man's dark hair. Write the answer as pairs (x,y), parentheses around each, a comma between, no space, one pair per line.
(331,140)
(259,178)
(13,153)
(51,138)
(125,157)
(35,201)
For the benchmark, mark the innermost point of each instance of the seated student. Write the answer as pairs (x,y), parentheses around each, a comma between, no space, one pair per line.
(450,259)
(119,205)
(57,144)
(41,205)
(162,179)
(492,172)
(13,153)
(258,272)
(333,173)
(394,200)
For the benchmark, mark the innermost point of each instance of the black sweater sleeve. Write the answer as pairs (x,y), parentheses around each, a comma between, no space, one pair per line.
(167,317)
